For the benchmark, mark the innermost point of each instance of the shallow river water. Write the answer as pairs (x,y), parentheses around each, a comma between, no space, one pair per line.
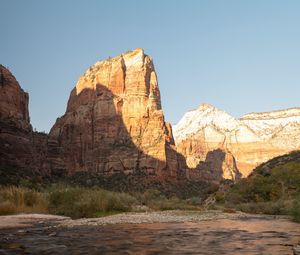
(222,236)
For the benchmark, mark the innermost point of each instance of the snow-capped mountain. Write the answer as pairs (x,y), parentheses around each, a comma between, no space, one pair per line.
(203,116)
(251,139)
(270,124)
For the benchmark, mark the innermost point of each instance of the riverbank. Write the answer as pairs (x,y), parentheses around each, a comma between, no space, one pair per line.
(175,216)
(165,232)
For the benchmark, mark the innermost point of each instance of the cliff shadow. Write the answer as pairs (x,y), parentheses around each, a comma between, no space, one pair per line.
(217,166)
(92,137)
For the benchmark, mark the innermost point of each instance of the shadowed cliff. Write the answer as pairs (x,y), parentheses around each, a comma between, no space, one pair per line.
(21,149)
(93,137)
(218,165)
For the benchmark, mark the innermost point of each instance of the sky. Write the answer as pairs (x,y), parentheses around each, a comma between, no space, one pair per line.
(240,56)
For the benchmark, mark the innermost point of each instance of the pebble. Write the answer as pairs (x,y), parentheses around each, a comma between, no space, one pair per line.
(52,234)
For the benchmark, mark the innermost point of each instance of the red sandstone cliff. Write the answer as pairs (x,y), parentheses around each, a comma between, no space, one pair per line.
(114,122)
(20,148)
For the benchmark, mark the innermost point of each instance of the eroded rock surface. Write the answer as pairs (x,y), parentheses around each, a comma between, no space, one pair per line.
(21,149)
(114,122)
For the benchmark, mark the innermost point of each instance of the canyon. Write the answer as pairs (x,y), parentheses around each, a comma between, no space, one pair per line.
(114,123)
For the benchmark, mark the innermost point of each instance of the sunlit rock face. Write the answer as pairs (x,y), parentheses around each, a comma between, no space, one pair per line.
(17,141)
(114,122)
(250,140)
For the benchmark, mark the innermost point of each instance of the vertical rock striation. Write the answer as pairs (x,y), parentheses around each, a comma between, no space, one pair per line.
(14,101)
(114,122)
(15,128)
(20,147)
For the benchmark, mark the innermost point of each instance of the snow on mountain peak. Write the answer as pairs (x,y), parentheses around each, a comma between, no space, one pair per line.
(264,124)
(204,115)
(250,140)
(287,113)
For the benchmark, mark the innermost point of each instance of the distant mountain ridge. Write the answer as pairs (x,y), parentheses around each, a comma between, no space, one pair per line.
(252,139)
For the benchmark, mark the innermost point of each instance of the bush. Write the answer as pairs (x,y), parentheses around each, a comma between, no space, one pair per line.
(268,190)
(63,200)
(295,210)
(273,208)
(197,201)
(169,204)
(83,202)
(152,194)
(7,207)
(22,200)
(79,202)
(155,200)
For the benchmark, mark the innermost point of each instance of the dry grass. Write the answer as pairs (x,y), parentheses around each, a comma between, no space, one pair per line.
(78,202)
(88,202)
(155,200)
(22,200)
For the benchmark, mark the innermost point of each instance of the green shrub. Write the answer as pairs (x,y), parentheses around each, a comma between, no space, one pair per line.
(83,202)
(155,200)
(170,204)
(273,208)
(196,201)
(152,194)
(267,190)
(295,210)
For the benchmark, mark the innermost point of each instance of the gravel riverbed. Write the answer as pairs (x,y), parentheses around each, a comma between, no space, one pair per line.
(165,232)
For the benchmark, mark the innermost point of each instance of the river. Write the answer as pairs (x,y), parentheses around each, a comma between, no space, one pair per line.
(251,236)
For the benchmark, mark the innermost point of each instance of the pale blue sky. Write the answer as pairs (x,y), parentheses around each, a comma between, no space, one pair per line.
(240,56)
